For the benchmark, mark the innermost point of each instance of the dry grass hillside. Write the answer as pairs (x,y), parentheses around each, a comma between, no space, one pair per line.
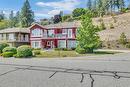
(121,24)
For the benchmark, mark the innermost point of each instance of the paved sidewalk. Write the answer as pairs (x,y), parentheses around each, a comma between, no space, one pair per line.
(124,51)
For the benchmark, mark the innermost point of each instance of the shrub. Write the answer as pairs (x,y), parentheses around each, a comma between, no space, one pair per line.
(7,54)
(2,46)
(10,49)
(24,51)
(73,48)
(65,49)
(36,52)
(102,26)
(80,50)
(123,39)
(128,45)
(111,26)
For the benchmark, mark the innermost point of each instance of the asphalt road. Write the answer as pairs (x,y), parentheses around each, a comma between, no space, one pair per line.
(91,71)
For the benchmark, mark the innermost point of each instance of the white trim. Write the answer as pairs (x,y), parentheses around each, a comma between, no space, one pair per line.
(36,44)
(61,43)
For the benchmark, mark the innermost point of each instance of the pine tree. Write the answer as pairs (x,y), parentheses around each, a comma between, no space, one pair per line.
(27,15)
(87,35)
(2,16)
(122,4)
(11,19)
(123,39)
(17,19)
(89,4)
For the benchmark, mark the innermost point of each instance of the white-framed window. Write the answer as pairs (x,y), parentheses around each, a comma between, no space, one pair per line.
(64,31)
(11,37)
(71,43)
(36,44)
(51,33)
(45,34)
(61,43)
(26,37)
(36,32)
(70,33)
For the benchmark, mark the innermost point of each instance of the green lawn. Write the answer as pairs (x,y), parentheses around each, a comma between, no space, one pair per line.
(54,54)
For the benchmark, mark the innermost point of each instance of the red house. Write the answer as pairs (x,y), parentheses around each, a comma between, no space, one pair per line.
(61,35)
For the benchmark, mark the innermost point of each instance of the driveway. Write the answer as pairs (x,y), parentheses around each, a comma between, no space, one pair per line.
(91,71)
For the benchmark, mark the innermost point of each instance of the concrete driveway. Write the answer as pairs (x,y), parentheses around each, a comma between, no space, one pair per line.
(91,71)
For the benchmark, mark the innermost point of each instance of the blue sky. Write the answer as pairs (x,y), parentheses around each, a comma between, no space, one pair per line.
(43,8)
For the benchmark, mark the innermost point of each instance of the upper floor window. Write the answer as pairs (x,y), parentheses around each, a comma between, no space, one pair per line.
(11,37)
(69,33)
(37,32)
(64,31)
(50,33)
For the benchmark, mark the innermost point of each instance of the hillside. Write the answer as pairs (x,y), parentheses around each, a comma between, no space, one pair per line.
(111,36)
(122,25)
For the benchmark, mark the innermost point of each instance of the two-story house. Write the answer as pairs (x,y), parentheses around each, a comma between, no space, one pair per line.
(61,35)
(15,36)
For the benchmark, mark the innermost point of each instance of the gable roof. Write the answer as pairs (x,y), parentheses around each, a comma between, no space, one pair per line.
(15,30)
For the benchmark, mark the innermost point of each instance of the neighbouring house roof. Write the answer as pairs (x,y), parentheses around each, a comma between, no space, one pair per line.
(15,30)
(60,25)
(64,25)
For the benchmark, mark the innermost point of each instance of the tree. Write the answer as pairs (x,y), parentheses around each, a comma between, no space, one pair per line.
(57,19)
(87,35)
(123,39)
(11,18)
(66,17)
(4,24)
(27,15)
(89,4)
(17,19)
(78,12)
(2,16)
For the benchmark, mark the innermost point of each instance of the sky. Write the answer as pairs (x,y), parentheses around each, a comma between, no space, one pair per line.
(43,8)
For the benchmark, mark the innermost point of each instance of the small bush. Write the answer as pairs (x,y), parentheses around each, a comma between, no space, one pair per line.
(10,49)
(80,50)
(7,54)
(2,46)
(111,26)
(128,45)
(102,26)
(123,39)
(24,51)
(73,48)
(36,52)
(65,49)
